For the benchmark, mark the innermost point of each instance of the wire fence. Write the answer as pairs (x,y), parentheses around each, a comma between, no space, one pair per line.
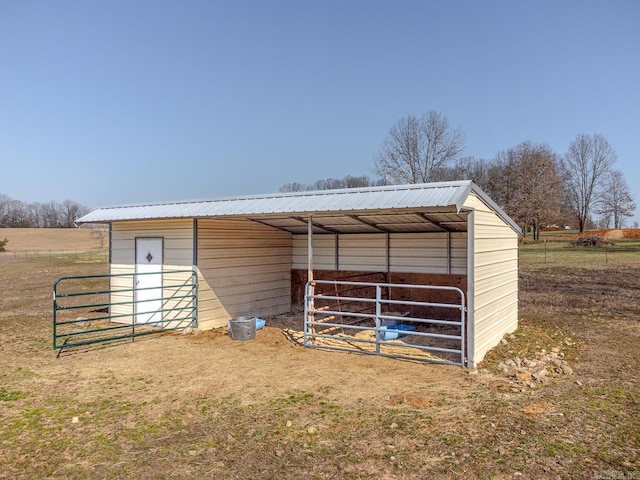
(97,254)
(562,254)
(549,253)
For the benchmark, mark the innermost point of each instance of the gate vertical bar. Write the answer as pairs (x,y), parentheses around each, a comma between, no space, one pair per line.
(463,340)
(134,306)
(195,300)
(378,313)
(55,316)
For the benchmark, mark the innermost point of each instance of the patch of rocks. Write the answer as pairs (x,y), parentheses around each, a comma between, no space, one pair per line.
(530,371)
(191,331)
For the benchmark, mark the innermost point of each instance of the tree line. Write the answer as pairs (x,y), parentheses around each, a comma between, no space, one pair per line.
(53,214)
(533,184)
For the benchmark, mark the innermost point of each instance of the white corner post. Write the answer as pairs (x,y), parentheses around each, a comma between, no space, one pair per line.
(471,271)
(312,289)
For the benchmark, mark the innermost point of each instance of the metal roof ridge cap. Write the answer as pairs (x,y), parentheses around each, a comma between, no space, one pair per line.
(460,197)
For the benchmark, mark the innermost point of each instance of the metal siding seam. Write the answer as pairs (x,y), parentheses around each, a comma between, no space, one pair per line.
(449,253)
(388,259)
(517,312)
(195,242)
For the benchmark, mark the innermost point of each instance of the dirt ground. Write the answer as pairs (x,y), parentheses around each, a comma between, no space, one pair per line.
(206,406)
(346,338)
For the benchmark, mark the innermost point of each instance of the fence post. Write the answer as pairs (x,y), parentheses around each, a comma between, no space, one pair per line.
(55,319)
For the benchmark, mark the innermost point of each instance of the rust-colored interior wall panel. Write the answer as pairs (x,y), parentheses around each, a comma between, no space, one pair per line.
(299,280)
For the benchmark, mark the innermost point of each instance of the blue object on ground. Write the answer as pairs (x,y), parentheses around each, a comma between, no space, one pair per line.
(393,332)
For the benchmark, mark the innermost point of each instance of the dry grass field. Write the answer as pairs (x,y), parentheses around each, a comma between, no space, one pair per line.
(23,240)
(205,406)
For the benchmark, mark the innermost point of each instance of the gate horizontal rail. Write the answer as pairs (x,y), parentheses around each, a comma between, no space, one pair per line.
(322,319)
(105,320)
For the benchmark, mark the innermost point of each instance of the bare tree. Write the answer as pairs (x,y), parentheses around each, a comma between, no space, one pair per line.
(50,215)
(292,187)
(359,182)
(5,200)
(584,168)
(468,168)
(331,184)
(328,184)
(17,215)
(100,233)
(415,149)
(35,213)
(526,183)
(616,201)
(14,213)
(71,211)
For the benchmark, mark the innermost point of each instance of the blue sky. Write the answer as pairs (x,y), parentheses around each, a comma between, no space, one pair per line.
(116,102)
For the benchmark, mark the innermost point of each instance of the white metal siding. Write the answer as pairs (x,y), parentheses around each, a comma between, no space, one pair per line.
(428,253)
(245,270)
(362,252)
(324,252)
(408,252)
(494,282)
(177,254)
(177,234)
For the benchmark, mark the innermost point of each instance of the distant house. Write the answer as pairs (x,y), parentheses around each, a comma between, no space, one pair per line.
(253,254)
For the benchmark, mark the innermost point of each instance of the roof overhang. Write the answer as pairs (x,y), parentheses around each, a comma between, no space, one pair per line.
(430,207)
(384,221)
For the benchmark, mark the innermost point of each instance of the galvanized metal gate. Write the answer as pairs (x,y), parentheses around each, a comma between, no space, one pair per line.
(414,322)
(91,309)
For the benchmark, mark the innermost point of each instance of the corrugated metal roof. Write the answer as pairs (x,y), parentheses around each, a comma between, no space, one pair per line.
(393,199)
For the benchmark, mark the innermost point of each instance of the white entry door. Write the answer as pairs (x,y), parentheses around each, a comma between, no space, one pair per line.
(148,282)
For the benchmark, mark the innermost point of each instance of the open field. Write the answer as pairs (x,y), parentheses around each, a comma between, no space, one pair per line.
(562,254)
(204,406)
(45,239)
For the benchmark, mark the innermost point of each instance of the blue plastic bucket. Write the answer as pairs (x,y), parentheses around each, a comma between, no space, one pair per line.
(393,332)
